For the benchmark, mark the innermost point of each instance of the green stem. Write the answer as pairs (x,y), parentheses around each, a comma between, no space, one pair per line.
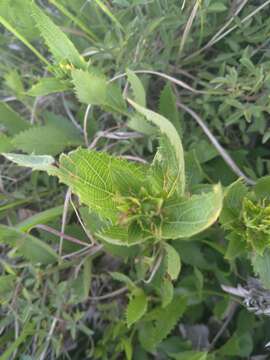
(10,28)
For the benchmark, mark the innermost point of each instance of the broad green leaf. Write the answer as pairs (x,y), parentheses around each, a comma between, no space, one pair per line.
(36,162)
(94,177)
(262,188)
(137,123)
(56,140)
(30,247)
(137,88)
(12,121)
(261,266)
(58,43)
(170,155)
(168,108)
(90,88)
(137,307)
(187,217)
(48,86)
(173,261)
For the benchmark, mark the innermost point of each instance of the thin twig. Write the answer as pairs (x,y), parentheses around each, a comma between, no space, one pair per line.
(110,295)
(58,233)
(188,27)
(70,116)
(232,310)
(82,224)
(64,219)
(85,120)
(155,269)
(164,76)
(227,158)
(54,322)
(134,158)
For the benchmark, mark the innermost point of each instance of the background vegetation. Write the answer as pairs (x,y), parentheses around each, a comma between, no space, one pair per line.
(204,65)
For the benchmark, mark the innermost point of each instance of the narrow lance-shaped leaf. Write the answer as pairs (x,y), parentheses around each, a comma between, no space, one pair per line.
(35,162)
(58,43)
(137,88)
(30,247)
(170,154)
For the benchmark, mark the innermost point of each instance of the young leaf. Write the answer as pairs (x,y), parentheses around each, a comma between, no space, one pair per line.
(28,246)
(90,88)
(94,177)
(188,217)
(58,43)
(56,140)
(168,108)
(36,162)
(137,88)
(12,121)
(137,307)
(48,86)
(171,154)
(173,261)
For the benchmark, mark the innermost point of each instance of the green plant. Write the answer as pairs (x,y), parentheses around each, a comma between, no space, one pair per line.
(174,228)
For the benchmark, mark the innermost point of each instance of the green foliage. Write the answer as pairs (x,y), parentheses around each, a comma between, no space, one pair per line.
(127,258)
(58,43)
(160,322)
(137,307)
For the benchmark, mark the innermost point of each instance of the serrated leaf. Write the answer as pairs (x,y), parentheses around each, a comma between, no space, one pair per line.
(166,292)
(93,176)
(11,120)
(185,218)
(56,140)
(137,307)
(58,43)
(48,86)
(90,88)
(173,261)
(170,155)
(158,323)
(5,143)
(137,88)
(123,278)
(28,246)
